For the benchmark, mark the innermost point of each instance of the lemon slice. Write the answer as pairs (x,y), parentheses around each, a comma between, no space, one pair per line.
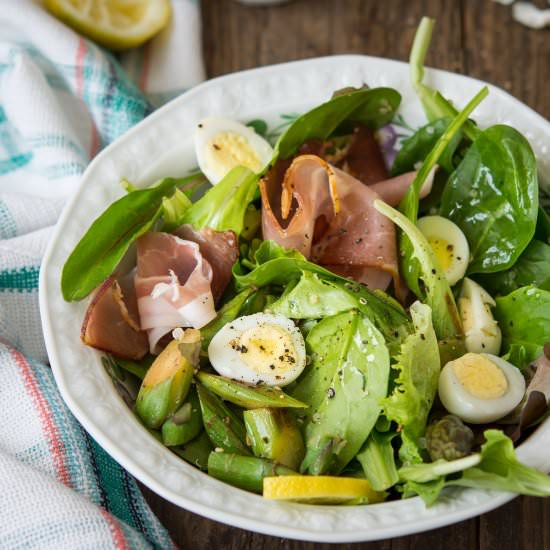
(320,489)
(115,24)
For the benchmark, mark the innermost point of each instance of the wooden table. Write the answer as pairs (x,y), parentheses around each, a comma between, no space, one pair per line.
(475,37)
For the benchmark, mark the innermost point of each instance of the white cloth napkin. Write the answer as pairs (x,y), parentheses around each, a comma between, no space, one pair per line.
(62,99)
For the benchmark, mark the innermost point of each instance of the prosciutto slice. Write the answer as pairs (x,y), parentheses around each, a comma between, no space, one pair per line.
(219,248)
(172,285)
(361,158)
(328,216)
(393,190)
(111,322)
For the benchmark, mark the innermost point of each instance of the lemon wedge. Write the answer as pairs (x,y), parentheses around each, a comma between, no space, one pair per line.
(115,24)
(320,489)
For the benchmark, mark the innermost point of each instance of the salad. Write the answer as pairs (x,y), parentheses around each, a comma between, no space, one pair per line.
(309,319)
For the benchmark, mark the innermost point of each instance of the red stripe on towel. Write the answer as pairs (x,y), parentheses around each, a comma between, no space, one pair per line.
(116,531)
(55,443)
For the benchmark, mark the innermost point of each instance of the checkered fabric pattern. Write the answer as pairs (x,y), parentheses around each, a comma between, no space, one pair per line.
(62,99)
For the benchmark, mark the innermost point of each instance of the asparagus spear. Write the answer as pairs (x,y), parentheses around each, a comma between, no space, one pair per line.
(273,434)
(185,424)
(196,452)
(247,396)
(245,472)
(224,428)
(137,368)
(167,381)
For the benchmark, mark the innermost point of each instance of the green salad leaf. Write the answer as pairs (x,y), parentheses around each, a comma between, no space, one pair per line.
(414,389)
(313,298)
(542,231)
(437,293)
(227,313)
(417,147)
(409,266)
(373,107)
(173,209)
(377,457)
(277,266)
(496,468)
(493,197)
(345,382)
(524,319)
(107,240)
(224,206)
(532,268)
(434,104)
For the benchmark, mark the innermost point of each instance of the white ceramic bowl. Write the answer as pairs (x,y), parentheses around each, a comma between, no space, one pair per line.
(161,146)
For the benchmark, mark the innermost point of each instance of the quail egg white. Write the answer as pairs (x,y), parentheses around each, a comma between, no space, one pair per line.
(259,349)
(481,331)
(480,387)
(222,143)
(449,245)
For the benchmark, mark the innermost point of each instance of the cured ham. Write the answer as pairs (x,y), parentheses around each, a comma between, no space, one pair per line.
(329,217)
(219,248)
(360,157)
(173,285)
(393,190)
(111,322)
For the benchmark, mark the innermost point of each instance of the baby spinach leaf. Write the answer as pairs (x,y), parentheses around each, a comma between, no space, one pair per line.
(532,268)
(417,147)
(415,387)
(223,207)
(493,197)
(345,382)
(542,231)
(372,107)
(435,288)
(524,319)
(104,244)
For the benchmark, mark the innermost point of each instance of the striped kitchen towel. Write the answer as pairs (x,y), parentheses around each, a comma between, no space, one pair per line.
(62,99)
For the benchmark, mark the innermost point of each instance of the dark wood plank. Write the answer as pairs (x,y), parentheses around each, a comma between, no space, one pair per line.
(501,51)
(476,37)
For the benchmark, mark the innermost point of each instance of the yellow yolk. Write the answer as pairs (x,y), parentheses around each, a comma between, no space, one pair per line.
(229,149)
(266,348)
(443,251)
(480,376)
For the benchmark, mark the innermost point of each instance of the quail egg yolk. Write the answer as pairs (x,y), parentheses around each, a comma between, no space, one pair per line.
(229,149)
(266,348)
(443,251)
(480,377)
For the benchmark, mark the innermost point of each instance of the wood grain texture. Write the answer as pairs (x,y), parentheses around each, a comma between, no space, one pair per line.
(475,37)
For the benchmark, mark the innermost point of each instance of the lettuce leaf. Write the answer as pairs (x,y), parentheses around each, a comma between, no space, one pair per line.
(313,298)
(415,387)
(437,293)
(275,265)
(497,468)
(224,206)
